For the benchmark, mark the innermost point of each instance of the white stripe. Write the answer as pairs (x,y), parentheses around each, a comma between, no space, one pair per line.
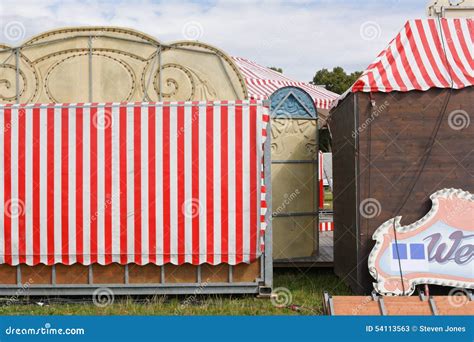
(101,201)
(246,182)
(173,185)
(439,60)
(130,188)
(72,185)
(145,184)
(43,185)
(57,183)
(189,117)
(86,185)
(424,57)
(29,186)
(116,183)
(15,204)
(461,57)
(231,169)
(202,185)
(217,184)
(159,184)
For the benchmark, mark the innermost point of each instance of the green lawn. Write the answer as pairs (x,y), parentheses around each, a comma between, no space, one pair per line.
(306,288)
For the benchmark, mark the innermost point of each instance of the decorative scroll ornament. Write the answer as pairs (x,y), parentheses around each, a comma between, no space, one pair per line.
(437,249)
(111,64)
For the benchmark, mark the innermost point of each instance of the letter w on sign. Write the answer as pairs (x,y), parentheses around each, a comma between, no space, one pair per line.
(437,249)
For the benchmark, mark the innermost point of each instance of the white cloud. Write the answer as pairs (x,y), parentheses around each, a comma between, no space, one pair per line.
(299,36)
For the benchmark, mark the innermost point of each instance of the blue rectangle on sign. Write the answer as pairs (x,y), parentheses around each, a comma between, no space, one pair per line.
(417,251)
(401,252)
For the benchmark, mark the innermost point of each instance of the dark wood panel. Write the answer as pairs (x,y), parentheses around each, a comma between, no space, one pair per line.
(146,274)
(72,274)
(7,275)
(391,149)
(108,274)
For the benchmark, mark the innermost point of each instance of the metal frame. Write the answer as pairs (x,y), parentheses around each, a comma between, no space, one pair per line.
(262,285)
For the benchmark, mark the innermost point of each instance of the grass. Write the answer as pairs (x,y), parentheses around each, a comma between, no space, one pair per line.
(306,288)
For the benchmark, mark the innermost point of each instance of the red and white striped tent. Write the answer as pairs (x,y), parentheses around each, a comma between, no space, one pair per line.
(426,53)
(262,82)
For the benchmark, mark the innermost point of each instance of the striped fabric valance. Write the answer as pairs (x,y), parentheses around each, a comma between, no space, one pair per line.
(179,182)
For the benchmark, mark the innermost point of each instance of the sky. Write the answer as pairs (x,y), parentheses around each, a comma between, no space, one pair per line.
(300,36)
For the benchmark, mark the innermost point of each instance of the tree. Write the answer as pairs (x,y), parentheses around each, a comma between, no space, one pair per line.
(280,70)
(337,80)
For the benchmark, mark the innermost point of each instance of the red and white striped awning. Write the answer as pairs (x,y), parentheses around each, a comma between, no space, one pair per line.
(178,182)
(427,53)
(262,82)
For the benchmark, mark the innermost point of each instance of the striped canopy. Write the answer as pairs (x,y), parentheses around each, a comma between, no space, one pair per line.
(262,82)
(427,53)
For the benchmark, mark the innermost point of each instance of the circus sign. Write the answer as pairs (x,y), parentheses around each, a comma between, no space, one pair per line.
(437,249)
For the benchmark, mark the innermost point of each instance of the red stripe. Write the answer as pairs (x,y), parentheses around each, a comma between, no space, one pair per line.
(210,182)
(21,184)
(405,63)
(36,185)
(93,180)
(50,181)
(417,55)
(383,77)
(108,183)
(464,43)
(454,53)
(7,185)
(253,182)
(440,50)
(195,184)
(79,185)
(429,53)
(180,161)
(152,183)
(166,184)
(137,183)
(224,184)
(395,72)
(238,185)
(65,184)
(123,184)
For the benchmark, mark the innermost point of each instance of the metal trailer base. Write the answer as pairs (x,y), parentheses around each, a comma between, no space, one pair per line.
(133,289)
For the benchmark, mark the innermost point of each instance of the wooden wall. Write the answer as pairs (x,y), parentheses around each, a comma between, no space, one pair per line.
(389,152)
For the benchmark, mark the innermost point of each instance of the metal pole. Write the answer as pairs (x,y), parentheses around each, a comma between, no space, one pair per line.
(160,91)
(90,69)
(267,155)
(17,75)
